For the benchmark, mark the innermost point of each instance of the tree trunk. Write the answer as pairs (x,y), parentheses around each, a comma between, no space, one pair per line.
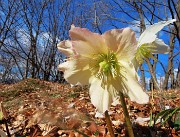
(143,81)
(142,28)
(178,78)
(170,62)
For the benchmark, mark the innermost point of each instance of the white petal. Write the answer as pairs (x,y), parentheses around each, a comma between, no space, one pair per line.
(149,35)
(160,47)
(147,38)
(116,101)
(99,115)
(100,98)
(65,47)
(95,40)
(75,72)
(122,42)
(135,63)
(132,87)
(84,49)
(72,26)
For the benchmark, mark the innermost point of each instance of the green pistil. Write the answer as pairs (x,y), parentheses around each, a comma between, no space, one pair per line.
(108,66)
(144,51)
(104,66)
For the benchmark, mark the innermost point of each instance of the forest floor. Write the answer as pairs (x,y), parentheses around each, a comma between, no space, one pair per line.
(34,108)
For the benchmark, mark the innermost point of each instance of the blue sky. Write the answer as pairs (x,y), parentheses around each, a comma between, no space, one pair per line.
(149,19)
(107,23)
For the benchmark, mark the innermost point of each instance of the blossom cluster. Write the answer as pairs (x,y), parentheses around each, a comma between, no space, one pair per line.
(109,62)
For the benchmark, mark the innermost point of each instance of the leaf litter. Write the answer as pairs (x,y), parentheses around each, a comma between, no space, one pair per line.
(36,108)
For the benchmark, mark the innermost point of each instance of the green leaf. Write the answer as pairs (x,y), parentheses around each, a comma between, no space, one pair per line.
(96,133)
(177,122)
(161,114)
(166,114)
(172,112)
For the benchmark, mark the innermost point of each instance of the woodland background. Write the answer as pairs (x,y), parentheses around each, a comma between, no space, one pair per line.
(31,29)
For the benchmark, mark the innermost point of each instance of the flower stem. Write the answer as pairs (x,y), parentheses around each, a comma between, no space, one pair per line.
(152,105)
(109,124)
(126,115)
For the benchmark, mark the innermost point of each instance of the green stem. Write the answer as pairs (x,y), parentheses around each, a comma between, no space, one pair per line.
(109,124)
(152,107)
(126,115)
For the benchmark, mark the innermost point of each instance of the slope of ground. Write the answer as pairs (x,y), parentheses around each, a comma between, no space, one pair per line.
(39,108)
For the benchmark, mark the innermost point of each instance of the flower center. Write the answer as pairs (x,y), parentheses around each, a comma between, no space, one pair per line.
(144,51)
(108,66)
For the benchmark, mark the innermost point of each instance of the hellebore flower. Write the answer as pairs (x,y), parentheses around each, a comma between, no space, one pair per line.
(149,44)
(104,62)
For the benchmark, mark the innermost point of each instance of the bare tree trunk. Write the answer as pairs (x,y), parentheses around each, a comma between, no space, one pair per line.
(170,63)
(178,78)
(33,58)
(172,77)
(142,28)
(152,67)
(154,82)
(143,80)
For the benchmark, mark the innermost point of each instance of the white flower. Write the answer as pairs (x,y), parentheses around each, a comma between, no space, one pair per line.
(104,62)
(149,44)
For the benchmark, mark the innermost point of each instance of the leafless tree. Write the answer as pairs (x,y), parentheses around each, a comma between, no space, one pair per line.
(31,29)
(8,16)
(141,12)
